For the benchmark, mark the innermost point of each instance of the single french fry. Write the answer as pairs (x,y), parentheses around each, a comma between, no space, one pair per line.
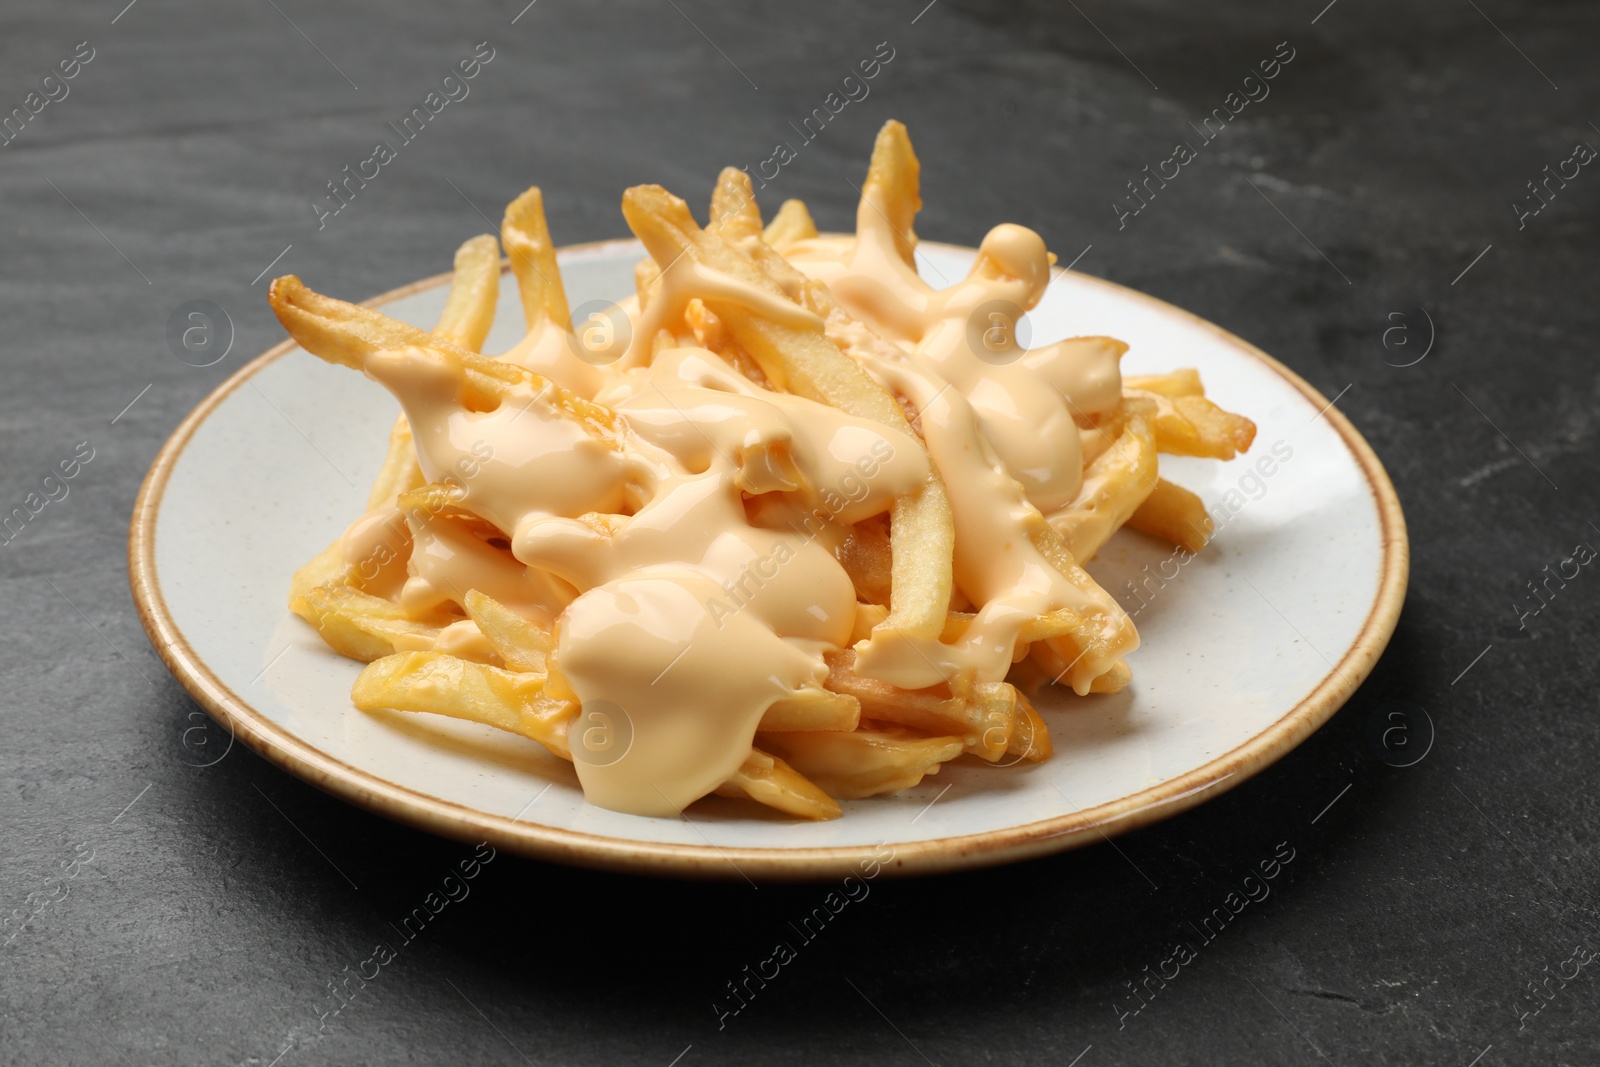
(771,781)
(526,236)
(328,567)
(865,763)
(356,624)
(520,644)
(468,314)
(1173,514)
(646,275)
(332,567)
(812,709)
(1182,382)
(734,212)
(436,501)
(790,225)
(349,335)
(1223,433)
(1050,625)
(1114,486)
(868,559)
(1194,426)
(475,288)
(1032,740)
(1114,680)
(440,684)
(891,195)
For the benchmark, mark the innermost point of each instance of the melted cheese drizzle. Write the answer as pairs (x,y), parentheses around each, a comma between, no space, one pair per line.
(998,421)
(689,571)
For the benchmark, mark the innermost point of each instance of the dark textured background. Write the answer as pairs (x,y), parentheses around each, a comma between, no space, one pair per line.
(206,928)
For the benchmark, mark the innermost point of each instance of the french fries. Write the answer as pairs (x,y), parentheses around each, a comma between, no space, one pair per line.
(520,644)
(496,621)
(474,289)
(1115,485)
(800,359)
(770,781)
(1173,514)
(891,196)
(864,763)
(349,335)
(359,625)
(433,682)
(990,718)
(1193,426)
(812,709)
(791,225)
(533,260)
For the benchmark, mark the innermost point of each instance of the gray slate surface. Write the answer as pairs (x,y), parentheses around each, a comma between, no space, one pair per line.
(201,926)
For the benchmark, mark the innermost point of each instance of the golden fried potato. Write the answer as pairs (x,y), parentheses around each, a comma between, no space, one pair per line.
(1114,486)
(1184,382)
(440,684)
(791,225)
(474,290)
(891,196)
(773,782)
(526,236)
(1173,514)
(866,763)
(1194,426)
(988,717)
(359,625)
(520,644)
(812,709)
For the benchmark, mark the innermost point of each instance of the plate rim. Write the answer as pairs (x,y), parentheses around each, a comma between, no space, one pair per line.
(925,856)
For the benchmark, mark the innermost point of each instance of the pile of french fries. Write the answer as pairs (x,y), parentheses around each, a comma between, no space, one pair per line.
(856,735)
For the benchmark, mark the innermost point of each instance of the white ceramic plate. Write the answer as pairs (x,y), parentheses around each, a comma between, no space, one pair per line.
(1246,649)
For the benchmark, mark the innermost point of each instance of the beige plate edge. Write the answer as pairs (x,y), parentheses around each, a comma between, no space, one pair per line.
(930,856)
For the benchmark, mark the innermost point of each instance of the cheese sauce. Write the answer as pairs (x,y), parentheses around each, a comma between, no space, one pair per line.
(686,563)
(998,421)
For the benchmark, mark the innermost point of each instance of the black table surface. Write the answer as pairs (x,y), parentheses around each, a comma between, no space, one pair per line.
(1373,205)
